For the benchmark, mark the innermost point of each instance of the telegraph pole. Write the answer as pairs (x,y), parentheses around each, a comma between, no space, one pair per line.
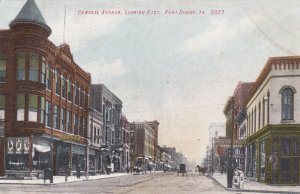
(230,164)
(212,156)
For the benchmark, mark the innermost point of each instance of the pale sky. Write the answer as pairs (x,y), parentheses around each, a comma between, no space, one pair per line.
(177,69)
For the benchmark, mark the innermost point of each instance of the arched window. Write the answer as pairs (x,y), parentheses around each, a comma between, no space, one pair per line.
(2,67)
(287,102)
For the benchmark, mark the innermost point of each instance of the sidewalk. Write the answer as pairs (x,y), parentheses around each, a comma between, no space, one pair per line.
(253,186)
(61,179)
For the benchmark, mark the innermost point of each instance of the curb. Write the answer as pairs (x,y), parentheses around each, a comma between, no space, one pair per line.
(249,190)
(49,184)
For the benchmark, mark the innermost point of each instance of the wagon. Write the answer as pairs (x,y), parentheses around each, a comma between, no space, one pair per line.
(182,170)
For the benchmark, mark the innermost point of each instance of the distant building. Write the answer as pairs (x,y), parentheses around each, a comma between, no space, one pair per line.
(107,103)
(95,135)
(216,130)
(125,141)
(143,150)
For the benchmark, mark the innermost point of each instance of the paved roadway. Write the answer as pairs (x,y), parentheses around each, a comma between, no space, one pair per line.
(135,184)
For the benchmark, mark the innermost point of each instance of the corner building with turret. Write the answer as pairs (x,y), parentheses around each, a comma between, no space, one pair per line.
(43,100)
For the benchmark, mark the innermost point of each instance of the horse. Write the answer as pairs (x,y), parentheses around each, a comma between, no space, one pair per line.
(201,170)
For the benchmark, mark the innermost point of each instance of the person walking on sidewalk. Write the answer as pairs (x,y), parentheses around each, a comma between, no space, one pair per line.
(78,170)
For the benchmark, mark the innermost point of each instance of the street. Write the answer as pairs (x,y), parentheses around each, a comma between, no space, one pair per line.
(143,183)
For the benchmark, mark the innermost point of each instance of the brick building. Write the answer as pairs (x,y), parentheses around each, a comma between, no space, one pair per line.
(143,150)
(43,97)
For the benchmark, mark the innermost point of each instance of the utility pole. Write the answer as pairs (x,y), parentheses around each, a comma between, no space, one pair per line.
(230,164)
(212,156)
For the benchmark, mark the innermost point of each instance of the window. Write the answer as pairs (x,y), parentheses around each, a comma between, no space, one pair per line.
(81,125)
(64,87)
(81,97)
(95,131)
(43,75)
(86,99)
(285,146)
(75,124)
(259,114)
(21,66)
(262,159)
(48,114)
(69,116)
(70,90)
(2,68)
(32,107)
(63,119)
(112,137)
(48,76)
(76,94)
(20,107)
(34,67)
(2,114)
(287,104)
(42,110)
(56,117)
(58,82)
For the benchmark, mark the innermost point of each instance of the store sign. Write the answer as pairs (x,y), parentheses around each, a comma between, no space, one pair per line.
(70,137)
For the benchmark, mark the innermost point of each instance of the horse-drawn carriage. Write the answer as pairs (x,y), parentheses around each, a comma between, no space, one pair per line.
(201,170)
(182,170)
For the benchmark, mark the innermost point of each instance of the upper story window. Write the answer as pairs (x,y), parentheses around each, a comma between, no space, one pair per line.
(76,94)
(21,66)
(75,121)
(81,97)
(58,82)
(69,90)
(32,107)
(48,77)
(63,119)
(2,113)
(64,87)
(43,75)
(48,114)
(2,67)
(69,117)
(34,67)
(56,116)
(42,110)
(20,107)
(287,102)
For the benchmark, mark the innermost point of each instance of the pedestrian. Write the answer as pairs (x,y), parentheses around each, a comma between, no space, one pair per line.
(78,171)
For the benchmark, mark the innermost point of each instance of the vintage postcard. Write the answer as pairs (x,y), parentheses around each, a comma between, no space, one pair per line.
(171,96)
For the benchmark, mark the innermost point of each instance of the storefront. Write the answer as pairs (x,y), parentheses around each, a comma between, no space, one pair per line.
(41,154)
(273,156)
(17,154)
(93,163)
(78,157)
(63,157)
